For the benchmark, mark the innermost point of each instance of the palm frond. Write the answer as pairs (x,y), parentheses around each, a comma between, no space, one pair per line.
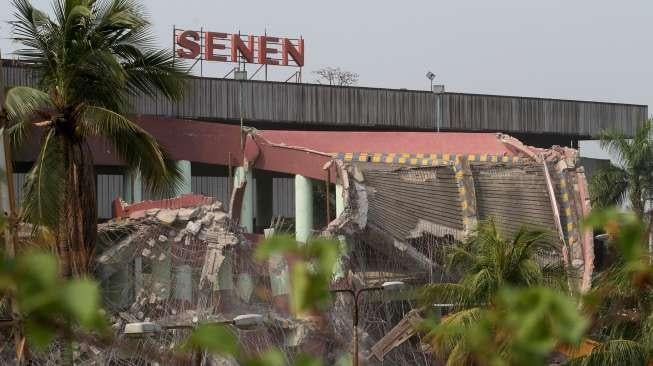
(445,293)
(615,142)
(23,104)
(138,149)
(45,184)
(608,187)
(153,71)
(32,29)
(450,333)
(615,352)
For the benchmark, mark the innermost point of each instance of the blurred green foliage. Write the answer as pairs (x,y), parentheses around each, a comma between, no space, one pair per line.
(508,308)
(522,327)
(48,304)
(311,271)
(525,314)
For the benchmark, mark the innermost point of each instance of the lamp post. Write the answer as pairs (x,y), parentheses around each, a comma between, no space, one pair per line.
(386,286)
(430,76)
(242,322)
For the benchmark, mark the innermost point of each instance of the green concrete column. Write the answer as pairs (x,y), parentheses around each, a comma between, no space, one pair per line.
(117,286)
(225,280)
(185,186)
(161,268)
(247,210)
(183,283)
(132,187)
(303,208)
(340,200)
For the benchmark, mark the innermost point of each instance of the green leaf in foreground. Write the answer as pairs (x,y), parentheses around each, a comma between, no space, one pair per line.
(82,300)
(213,339)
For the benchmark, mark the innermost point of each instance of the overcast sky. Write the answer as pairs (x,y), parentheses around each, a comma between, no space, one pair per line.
(576,49)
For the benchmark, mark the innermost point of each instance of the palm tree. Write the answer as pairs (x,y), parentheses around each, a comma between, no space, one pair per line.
(622,296)
(631,182)
(90,57)
(485,263)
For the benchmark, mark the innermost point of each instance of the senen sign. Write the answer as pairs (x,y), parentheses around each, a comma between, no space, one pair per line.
(227,47)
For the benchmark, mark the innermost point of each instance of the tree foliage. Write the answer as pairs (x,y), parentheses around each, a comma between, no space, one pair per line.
(632,180)
(621,301)
(90,57)
(486,262)
(510,308)
(335,76)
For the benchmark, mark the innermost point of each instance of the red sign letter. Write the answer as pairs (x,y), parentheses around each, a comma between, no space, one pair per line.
(263,50)
(296,54)
(210,46)
(237,45)
(188,40)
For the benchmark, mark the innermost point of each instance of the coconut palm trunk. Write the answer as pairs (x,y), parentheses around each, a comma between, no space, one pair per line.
(77,227)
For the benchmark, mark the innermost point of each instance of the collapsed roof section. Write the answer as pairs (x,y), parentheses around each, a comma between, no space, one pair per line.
(396,199)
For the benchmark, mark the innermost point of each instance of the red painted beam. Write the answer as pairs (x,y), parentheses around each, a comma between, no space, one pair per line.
(293,152)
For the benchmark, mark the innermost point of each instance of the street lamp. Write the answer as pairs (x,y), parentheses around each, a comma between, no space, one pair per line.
(430,76)
(385,286)
(242,322)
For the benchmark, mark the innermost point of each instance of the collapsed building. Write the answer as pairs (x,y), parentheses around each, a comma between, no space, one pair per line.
(396,206)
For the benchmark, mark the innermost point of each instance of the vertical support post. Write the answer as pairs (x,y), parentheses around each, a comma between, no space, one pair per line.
(264,198)
(223,287)
(132,187)
(339,270)
(328,196)
(183,290)
(466,192)
(340,200)
(161,271)
(247,210)
(185,187)
(120,291)
(127,188)
(303,208)
(137,184)
(231,177)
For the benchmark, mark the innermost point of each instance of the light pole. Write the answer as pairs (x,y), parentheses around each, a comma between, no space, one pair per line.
(386,286)
(430,76)
(242,322)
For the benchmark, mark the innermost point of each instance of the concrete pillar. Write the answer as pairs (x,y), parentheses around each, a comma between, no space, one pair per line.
(161,272)
(183,283)
(247,210)
(132,187)
(185,186)
(264,196)
(303,208)
(117,290)
(225,280)
(338,271)
(245,287)
(340,200)
(223,287)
